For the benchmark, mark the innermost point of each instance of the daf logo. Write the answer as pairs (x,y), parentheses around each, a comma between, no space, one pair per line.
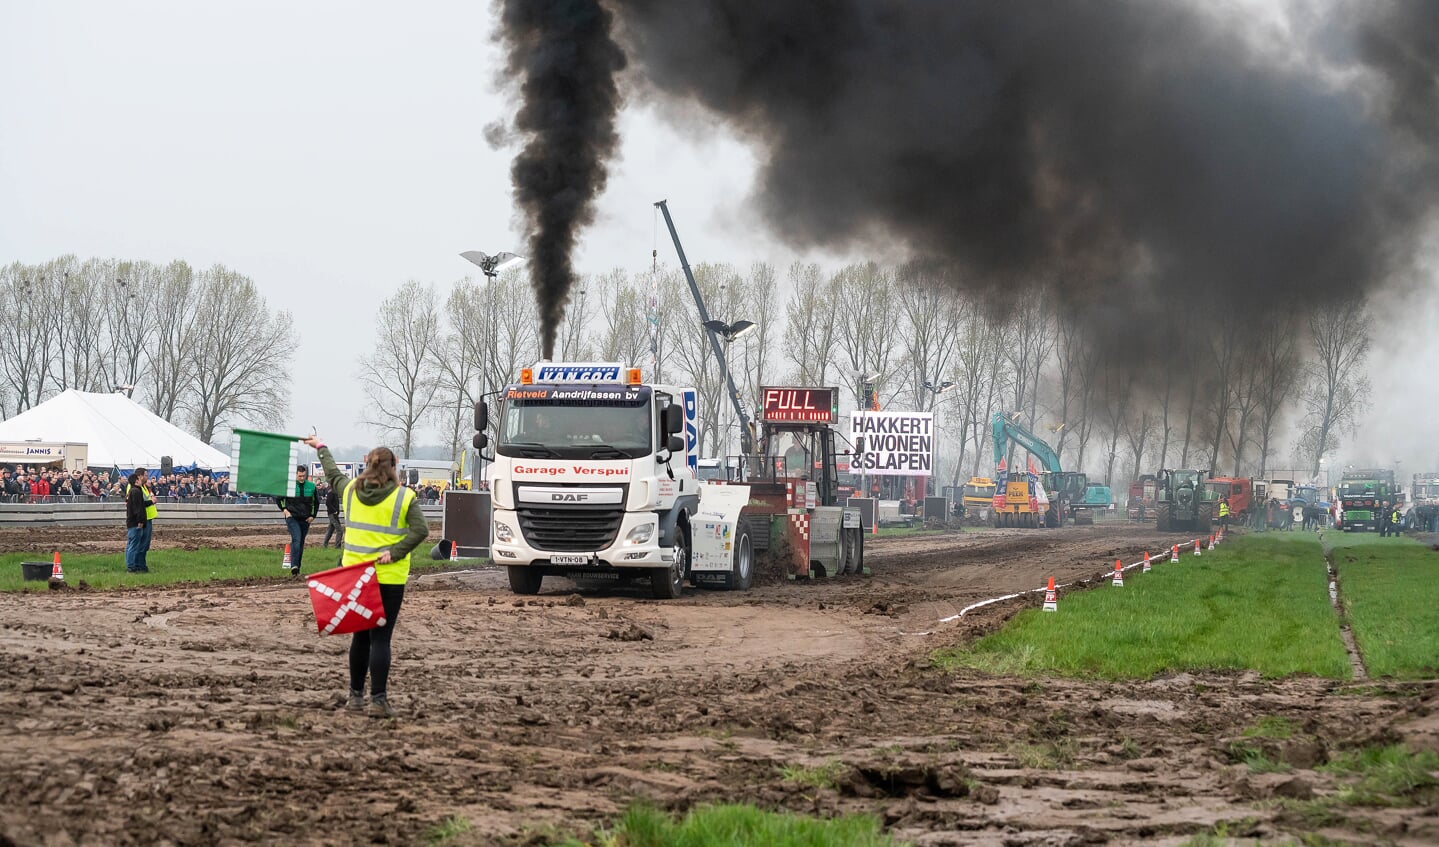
(567,497)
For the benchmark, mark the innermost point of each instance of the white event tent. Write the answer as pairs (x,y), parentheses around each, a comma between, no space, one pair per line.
(120,432)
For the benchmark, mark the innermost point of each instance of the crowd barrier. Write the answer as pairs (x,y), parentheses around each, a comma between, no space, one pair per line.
(194,512)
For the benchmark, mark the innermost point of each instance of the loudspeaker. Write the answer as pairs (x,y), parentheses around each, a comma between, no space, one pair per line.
(412,476)
(167,466)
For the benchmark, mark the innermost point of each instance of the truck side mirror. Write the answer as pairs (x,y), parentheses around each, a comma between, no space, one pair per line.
(675,444)
(859,444)
(674,420)
(482,416)
(480,441)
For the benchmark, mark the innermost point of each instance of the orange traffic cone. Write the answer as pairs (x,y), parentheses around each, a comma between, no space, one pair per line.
(1174,553)
(1196,547)
(57,572)
(285,563)
(1211,543)
(454,551)
(1051,597)
(1118,574)
(1146,562)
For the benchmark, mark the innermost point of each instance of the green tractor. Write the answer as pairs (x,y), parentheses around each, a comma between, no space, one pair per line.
(1183,502)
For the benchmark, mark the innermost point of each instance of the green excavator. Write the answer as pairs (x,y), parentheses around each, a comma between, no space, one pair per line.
(1064,488)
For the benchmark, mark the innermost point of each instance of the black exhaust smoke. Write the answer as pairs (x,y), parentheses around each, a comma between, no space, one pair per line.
(1143,157)
(1135,152)
(563,55)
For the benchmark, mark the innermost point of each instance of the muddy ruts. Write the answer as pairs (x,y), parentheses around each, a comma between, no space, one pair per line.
(563,56)
(1145,157)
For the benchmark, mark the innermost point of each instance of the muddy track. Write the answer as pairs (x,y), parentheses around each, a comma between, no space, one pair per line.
(208,715)
(112,539)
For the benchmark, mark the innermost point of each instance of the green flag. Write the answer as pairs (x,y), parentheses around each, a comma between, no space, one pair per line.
(264,463)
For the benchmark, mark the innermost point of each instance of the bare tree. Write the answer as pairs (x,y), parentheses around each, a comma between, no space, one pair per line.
(457,364)
(1137,432)
(868,338)
(241,361)
(1334,388)
(930,314)
(26,351)
(623,309)
(978,377)
(1030,344)
(1276,359)
(168,357)
(1224,361)
(761,305)
(1117,386)
(400,372)
(810,317)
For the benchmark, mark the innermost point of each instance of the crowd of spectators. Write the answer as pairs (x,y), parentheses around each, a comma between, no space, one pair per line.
(39,484)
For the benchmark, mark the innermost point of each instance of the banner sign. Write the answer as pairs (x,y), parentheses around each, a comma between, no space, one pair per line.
(895,443)
(72,456)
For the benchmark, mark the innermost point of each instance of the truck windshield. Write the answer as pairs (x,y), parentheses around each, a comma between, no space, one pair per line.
(982,491)
(1356,489)
(574,422)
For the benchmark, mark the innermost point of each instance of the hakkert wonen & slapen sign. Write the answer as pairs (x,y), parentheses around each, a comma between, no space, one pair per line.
(895,443)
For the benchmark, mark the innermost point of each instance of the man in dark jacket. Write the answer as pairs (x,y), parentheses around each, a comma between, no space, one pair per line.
(332,509)
(299,510)
(140,516)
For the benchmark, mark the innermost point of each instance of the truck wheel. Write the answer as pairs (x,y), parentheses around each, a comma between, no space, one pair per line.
(855,553)
(742,576)
(1204,520)
(1161,522)
(668,583)
(524,580)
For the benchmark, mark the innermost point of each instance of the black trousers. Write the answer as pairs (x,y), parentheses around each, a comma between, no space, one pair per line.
(335,529)
(370,649)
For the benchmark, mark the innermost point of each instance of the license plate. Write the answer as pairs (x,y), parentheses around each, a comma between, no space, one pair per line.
(570,559)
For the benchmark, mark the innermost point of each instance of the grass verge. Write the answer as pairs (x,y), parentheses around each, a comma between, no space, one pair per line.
(738,826)
(1390,591)
(1254,603)
(107,570)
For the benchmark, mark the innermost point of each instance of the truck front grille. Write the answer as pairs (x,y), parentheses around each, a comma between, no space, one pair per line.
(570,530)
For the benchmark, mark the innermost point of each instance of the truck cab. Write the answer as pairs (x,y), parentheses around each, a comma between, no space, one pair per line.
(594,476)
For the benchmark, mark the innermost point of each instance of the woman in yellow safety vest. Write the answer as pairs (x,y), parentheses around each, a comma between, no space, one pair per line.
(383,524)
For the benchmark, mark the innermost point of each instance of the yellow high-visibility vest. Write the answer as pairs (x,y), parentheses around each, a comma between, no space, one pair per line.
(371,530)
(150,510)
(1223,509)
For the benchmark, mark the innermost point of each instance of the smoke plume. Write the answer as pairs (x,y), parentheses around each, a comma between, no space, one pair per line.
(1141,156)
(563,54)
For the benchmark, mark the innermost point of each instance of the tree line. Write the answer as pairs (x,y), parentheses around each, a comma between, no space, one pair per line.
(1240,393)
(201,349)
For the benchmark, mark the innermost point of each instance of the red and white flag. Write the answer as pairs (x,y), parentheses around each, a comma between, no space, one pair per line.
(346,599)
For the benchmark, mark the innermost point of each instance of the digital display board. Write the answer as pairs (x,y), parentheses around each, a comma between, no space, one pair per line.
(798,405)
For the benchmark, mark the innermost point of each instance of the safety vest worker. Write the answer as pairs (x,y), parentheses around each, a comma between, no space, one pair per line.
(383,525)
(373,529)
(150,511)
(1223,508)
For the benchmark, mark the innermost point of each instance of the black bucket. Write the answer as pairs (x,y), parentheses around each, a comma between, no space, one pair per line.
(35,571)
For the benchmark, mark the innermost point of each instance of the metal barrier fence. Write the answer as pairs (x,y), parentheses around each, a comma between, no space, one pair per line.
(111,513)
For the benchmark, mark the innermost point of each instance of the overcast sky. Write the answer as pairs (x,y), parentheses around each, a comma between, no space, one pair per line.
(333,150)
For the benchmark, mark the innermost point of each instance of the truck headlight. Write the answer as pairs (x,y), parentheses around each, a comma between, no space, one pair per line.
(503,533)
(641,534)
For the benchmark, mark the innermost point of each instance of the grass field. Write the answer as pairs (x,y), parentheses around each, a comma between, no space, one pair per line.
(738,826)
(1256,603)
(1390,593)
(107,570)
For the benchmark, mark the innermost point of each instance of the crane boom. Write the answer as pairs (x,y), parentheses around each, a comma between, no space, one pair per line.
(746,443)
(1006,430)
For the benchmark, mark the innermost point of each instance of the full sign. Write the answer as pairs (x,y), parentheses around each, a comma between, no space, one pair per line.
(798,405)
(895,443)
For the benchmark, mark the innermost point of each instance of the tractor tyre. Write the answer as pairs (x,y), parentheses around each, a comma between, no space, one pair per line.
(1162,521)
(1204,520)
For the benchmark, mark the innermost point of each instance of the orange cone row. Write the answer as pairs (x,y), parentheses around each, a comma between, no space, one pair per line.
(1051,596)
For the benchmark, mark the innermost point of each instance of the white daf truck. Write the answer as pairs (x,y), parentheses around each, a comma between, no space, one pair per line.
(594,477)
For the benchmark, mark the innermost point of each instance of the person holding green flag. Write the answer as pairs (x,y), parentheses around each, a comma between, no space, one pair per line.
(383,525)
(300,510)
